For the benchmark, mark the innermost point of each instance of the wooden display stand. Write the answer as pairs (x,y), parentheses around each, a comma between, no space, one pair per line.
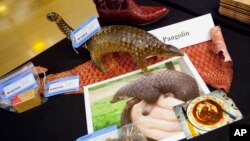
(236,9)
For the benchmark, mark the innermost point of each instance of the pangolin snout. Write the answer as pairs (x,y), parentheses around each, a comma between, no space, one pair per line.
(175,51)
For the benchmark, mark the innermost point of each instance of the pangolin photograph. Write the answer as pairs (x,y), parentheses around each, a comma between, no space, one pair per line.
(112,101)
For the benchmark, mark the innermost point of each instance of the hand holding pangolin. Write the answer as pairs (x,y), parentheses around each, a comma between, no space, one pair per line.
(150,87)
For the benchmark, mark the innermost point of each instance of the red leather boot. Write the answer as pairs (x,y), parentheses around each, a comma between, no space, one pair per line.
(128,10)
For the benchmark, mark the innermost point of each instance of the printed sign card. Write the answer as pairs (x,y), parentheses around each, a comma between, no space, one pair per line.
(93,136)
(186,33)
(60,86)
(85,32)
(17,82)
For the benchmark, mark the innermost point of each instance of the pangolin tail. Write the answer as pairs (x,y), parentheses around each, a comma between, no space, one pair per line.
(62,25)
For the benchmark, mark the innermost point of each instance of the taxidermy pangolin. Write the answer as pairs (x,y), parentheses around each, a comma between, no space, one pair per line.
(150,87)
(120,38)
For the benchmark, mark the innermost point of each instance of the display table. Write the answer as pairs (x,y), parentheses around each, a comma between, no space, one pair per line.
(63,118)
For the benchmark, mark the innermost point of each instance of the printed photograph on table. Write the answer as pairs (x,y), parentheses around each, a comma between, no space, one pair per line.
(207,113)
(99,97)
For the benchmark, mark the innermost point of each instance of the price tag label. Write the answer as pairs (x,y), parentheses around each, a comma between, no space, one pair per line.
(98,133)
(84,32)
(18,84)
(67,84)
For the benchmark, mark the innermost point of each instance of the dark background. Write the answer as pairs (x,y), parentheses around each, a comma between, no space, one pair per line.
(63,117)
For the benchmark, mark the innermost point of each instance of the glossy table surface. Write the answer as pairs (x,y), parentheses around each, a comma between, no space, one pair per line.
(25,31)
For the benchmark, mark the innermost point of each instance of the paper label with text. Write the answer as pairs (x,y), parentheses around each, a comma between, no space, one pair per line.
(100,134)
(18,84)
(186,33)
(63,85)
(85,32)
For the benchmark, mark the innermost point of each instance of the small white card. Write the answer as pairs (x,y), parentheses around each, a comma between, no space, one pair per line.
(84,32)
(18,84)
(62,85)
(186,33)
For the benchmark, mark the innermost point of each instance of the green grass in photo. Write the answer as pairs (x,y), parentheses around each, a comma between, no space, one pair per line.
(105,114)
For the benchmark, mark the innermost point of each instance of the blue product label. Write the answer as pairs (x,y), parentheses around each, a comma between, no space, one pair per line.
(97,133)
(1,91)
(63,85)
(85,32)
(18,84)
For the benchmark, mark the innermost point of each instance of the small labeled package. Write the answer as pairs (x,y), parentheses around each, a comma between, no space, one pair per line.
(19,89)
(26,101)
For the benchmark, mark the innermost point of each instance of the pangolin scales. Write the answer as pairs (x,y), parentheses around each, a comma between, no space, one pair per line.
(162,82)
